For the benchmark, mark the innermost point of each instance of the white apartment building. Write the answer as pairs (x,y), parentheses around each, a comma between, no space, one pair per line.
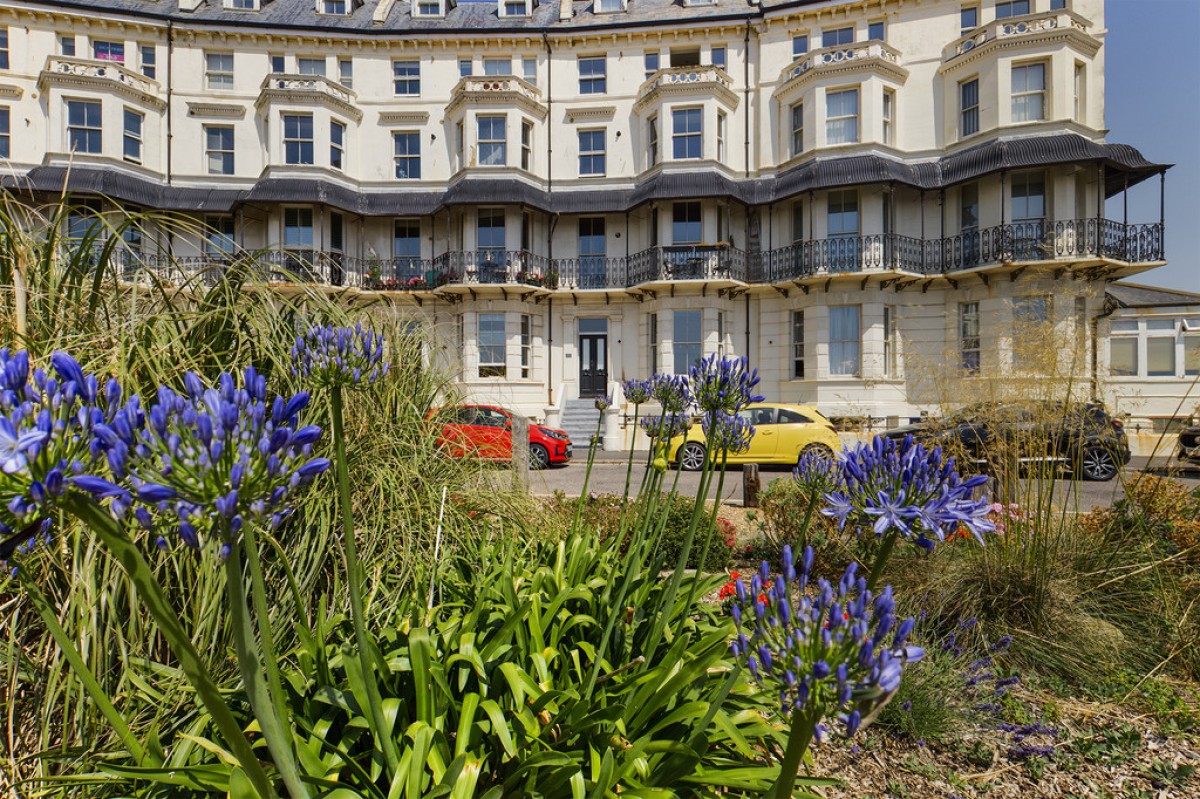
(566,194)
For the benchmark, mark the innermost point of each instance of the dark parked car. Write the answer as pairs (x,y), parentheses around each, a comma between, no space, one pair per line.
(1082,437)
(1189,445)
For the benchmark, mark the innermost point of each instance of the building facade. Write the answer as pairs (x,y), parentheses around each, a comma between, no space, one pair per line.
(566,194)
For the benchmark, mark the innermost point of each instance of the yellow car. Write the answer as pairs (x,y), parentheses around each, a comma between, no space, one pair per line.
(782,434)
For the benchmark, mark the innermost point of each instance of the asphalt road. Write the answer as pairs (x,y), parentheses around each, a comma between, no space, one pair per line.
(608,477)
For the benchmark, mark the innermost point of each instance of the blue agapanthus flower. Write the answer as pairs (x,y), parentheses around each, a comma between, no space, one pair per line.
(728,432)
(672,392)
(821,649)
(206,461)
(636,391)
(331,356)
(900,487)
(666,426)
(723,384)
(46,423)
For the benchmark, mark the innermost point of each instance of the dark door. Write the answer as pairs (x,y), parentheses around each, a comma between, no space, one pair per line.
(593,364)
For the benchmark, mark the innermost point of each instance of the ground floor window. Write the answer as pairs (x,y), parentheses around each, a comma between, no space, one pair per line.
(688,340)
(845,343)
(1161,347)
(491,345)
(526,345)
(968,337)
(797,345)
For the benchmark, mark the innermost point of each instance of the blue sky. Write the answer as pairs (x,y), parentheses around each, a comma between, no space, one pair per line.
(1152,94)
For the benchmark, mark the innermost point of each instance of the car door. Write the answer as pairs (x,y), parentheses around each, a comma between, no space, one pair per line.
(764,443)
(796,431)
(495,434)
(458,432)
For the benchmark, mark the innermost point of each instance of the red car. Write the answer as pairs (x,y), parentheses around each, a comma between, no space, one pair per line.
(485,432)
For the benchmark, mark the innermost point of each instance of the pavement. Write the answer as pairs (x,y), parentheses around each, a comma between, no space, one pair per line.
(609,473)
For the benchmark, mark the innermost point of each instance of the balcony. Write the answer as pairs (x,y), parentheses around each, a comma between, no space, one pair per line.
(706,81)
(876,56)
(101,76)
(1074,241)
(498,90)
(308,90)
(1023,30)
(1019,242)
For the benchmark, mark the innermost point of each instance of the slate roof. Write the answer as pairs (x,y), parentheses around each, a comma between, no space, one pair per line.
(471,17)
(1135,295)
(820,174)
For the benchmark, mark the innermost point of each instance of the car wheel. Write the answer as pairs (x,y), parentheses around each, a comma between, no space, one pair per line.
(539,457)
(1097,464)
(817,451)
(691,457)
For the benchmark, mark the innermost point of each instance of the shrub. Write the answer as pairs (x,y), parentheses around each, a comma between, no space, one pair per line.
(783,508)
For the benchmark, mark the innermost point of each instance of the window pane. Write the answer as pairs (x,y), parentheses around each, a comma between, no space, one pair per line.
(843,340)
(1123,357)
(687,340)
(1160,357)
(1191,355)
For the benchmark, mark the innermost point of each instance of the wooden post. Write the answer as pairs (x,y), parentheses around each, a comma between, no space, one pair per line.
(520,452)
(21,292)
(750,485)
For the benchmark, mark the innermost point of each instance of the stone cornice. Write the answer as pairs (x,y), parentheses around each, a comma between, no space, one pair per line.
(216,110)
(403,117)
(106,76)
(594,114)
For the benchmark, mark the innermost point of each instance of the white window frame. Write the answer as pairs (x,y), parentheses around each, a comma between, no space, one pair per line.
(110,45)
(652,143)
(526,346)
(588,158)
(1021,99)
(493,367)
(891,343)
(132,135)
(209,152)
(242,5)
(889,116)
(592,82)
(839,348)
(834,123)
(307,65)
(722,134)
(799,45)
(963,18)
(338,131)
(407,158)
(298,140)
(968,115)
(494,145)
(219,75)
(86,128)
(680,347)
(526,144)
(148,66)
(409,81)
(428,8)
(1013,8)
(514,8)
(346,71)
(969,326)
(797,114)
(688,135)
(797,370)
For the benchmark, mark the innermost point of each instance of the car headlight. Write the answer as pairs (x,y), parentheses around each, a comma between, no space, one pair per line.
(555,434)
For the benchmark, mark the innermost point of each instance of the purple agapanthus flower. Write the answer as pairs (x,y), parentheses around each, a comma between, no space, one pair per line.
(326,355)
(723,384)
(636,392)
(823,650)
(210,459)
(47,418)
(892,487)
(726,432)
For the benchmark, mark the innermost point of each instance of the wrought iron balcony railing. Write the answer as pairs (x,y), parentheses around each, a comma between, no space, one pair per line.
(1017,242)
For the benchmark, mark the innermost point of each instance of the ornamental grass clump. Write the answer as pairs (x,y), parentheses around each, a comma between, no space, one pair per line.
(899,489)
(822,650)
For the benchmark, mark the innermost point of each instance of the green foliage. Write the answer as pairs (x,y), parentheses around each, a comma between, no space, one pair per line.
(602,514)
(932,703)
(785,517)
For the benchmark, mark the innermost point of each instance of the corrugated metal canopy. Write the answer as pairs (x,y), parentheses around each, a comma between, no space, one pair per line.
(1125,166)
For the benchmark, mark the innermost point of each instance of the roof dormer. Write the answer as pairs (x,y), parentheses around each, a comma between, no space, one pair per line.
(515,9)
(609,6)
(240,5)
(431,9)
(337,8)
(692,3)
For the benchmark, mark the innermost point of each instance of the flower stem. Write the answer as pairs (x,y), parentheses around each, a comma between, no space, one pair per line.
(587,476)
(803,727)
(353,574)
(881,559)
(251,663)
(125,552)
(95,693)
